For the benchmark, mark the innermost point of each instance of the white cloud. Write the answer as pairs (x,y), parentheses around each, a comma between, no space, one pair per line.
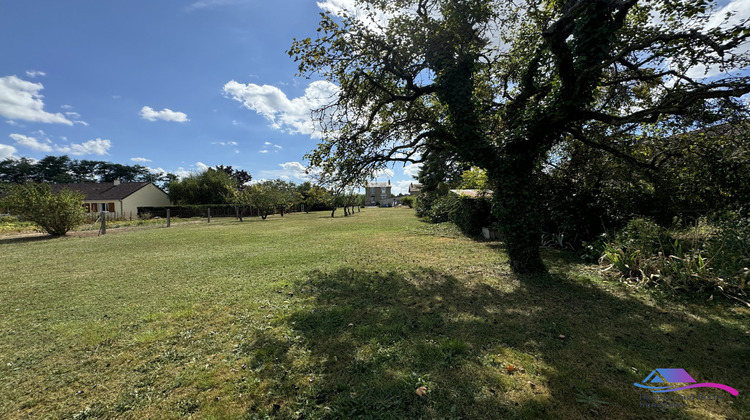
(157,171)
(383,173)
(166,114)
(32,143)
(66,107)
(289,115)
(288,170)
(400,187)
(269,147)
(225,143)
(35,73)
(21,100)
(91,147)
(740,10)
(206,4)
(7,152)
(140,159)
(73,114)
(183,173)
(412,170)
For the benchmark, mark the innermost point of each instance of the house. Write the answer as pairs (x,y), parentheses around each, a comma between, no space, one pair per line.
(414,189)
(119,198)
(378,193)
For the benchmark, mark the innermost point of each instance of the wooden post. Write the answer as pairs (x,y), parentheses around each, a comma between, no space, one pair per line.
(169,218)
(103,229)
(208,212)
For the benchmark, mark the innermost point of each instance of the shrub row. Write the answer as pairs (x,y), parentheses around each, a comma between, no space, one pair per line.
(710,256)
(469,214)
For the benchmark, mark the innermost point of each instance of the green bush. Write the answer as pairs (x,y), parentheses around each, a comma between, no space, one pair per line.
(469,214)
(731,247)
(705,257)
(56,214)
(408,201)
(443,208)
(472,214)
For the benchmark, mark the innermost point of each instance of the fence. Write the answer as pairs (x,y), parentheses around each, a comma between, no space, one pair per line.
(218,210)
(111,216)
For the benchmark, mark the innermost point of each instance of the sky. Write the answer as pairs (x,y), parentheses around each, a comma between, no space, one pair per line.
(173,85)
(177,86)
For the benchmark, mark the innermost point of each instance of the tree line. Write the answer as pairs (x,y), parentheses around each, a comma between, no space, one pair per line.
(225,185)
(64,170)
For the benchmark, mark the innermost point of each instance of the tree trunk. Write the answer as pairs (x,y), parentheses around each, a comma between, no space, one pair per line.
(516,206)
(333,211)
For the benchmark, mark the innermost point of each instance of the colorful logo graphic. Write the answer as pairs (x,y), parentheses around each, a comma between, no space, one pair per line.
(677,376)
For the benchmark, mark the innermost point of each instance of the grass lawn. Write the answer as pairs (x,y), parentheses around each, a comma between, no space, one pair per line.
(311,317)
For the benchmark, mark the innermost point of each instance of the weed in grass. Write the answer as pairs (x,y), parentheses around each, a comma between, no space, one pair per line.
(590,399)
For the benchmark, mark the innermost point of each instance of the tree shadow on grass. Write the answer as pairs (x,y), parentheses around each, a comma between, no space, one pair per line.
(10,240)
(361,343)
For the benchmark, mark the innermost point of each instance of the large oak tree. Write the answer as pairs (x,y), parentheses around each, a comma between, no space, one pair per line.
(498,84)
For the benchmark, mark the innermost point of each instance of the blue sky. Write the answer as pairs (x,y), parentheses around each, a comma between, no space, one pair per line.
(172,85)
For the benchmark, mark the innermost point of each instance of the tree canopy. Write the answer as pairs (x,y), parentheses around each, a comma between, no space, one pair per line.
(499,85)
(63,170)
(212,186)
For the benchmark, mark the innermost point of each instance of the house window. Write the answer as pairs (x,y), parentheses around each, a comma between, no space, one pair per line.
(109,207)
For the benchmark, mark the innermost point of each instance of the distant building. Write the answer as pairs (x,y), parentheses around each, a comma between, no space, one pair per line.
(121,199)
(473,193)
(378,193)
(414,188)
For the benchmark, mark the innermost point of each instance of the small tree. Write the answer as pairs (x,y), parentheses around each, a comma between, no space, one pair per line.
(312,195)
(265,195)
(209,187)
(288,195)
(55,213)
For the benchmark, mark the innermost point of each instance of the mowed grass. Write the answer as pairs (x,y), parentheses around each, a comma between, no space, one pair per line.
(311,317)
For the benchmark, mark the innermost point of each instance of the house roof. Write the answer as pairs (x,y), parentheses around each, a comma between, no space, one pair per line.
(102,191)
(414,187)
(473,193)
(378,184)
